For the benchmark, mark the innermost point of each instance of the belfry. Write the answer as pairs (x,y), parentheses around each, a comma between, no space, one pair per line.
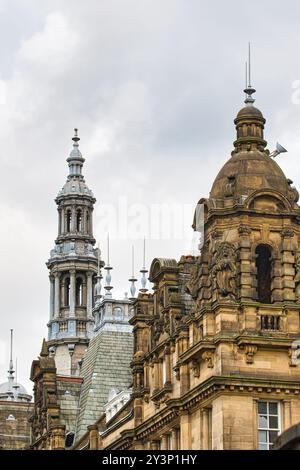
(73,268)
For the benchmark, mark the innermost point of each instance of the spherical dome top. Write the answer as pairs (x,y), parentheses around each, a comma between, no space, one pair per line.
(249,171)
(13,391)
(250,112)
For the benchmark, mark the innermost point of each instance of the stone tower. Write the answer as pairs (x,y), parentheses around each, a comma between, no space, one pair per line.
(216,345)
(73,267)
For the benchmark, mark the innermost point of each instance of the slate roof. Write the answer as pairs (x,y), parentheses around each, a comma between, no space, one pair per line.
(106,365)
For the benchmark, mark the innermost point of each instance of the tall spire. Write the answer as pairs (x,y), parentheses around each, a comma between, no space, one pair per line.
(143,271)
(108,268)
(249,90)
(132,279)
(11,366)
(75,159)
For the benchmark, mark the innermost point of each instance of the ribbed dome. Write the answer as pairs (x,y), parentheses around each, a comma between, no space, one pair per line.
(75,186)
(251,112)
(250,170)
(13,391)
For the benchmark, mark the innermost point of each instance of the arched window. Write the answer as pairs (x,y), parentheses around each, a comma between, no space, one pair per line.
(67,292)
(79,292)
(79,221)
(69,220)
(263,266)
(69,439)
(87,222)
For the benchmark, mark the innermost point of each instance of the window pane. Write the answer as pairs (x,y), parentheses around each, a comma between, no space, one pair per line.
(262,407)
(273,422)
(273,408)
(262,436)
(263,446)
(263,422)
(273,436)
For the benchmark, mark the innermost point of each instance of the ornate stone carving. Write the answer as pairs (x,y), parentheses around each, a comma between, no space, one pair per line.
(208,357)
(216,234)
(250,351)
(293,194)
(230,186)
(287,233)
(244,230)
(297,275)
(193,286)
(224,270)
(195,366)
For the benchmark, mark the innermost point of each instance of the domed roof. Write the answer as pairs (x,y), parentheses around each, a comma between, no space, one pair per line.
(75,186)
(249,112)
(13,391)
(250,170)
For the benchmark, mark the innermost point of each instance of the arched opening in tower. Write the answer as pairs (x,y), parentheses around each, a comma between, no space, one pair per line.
(79,221)
(67,292)
(69,220)
(264,267)
(79,292)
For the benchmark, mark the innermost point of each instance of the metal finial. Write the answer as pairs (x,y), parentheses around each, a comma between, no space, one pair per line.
(76,138)
(143,271)
(11,366)
(249,90)
(132,279)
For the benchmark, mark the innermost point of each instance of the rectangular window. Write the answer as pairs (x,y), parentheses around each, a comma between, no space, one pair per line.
(268,424)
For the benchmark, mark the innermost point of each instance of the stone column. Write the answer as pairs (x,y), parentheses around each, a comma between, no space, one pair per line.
(154,445)
(58,437)
(164,442)
(72,292)
(56,294)
(287,422)
(205,429)
(51,296)
(89,299)
(246,286)
(74,220)
(93,436)
(174,439)
(288,262)
(59,221)
(63,220)
(156,374)
(167,366)
(185,431)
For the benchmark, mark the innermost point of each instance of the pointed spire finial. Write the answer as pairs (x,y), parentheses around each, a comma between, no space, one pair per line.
(249,90)
(143,271)
(75,159)
(132,279)
(44,350)
(11,365)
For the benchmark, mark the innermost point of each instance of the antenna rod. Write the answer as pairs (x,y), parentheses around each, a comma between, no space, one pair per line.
(11,344)
(132,254)
(249,66)
(108,248)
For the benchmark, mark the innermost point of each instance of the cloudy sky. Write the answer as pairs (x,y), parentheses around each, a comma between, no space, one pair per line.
(153,86)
